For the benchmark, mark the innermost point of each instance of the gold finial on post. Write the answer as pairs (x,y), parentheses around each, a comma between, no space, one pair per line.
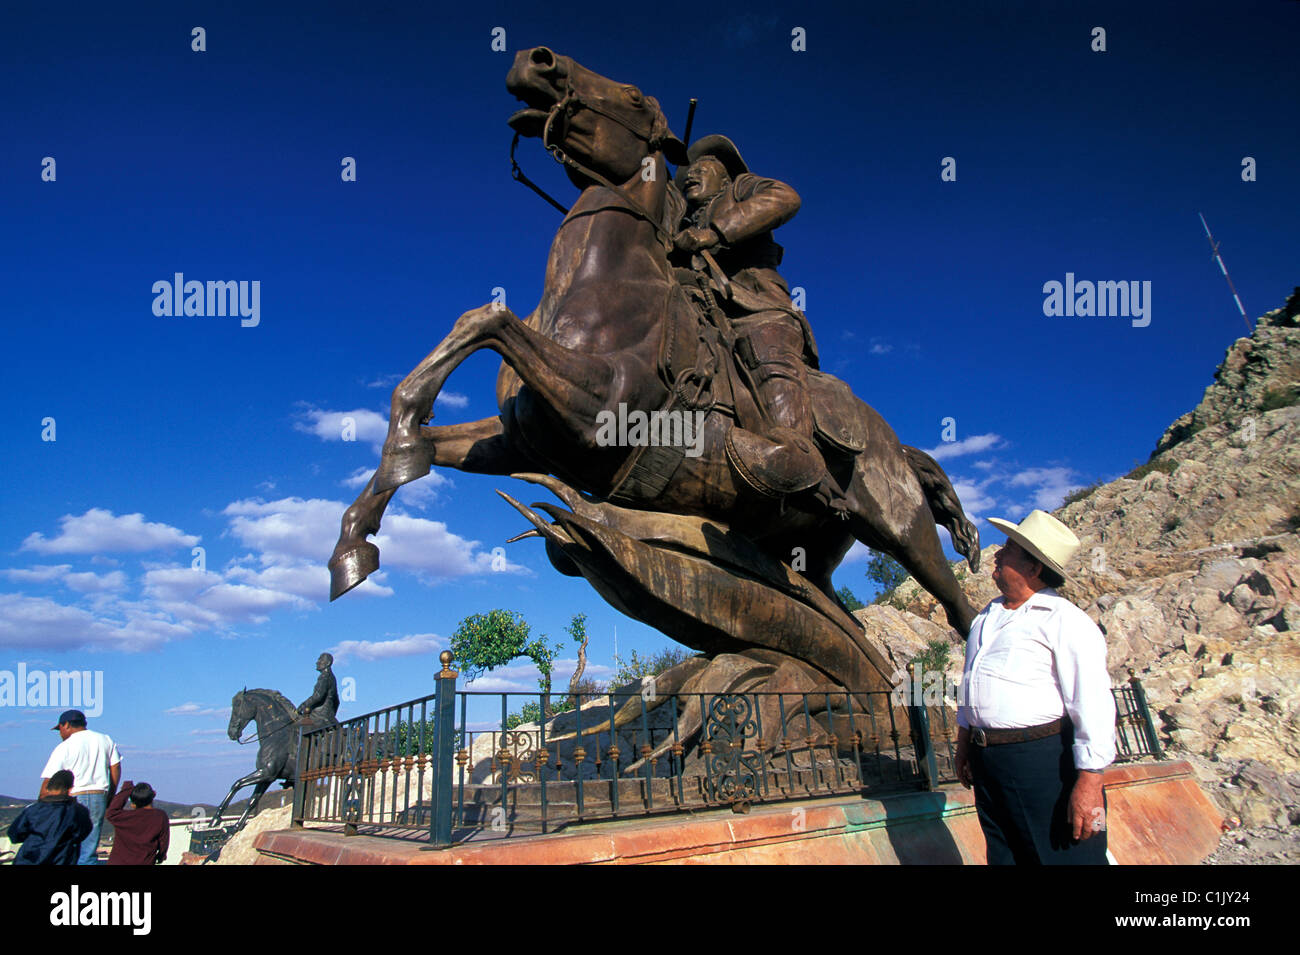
(447,672)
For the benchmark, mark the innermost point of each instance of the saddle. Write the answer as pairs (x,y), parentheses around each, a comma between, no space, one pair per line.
(693,349)
(699,366)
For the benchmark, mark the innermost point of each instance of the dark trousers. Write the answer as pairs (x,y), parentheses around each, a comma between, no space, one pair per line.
(1022,795)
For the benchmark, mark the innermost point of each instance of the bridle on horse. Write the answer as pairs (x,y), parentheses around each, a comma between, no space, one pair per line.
(564,107)
(259,736)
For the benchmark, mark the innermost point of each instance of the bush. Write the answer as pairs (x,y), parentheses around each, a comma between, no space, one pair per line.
(1163,465)
(849,599)
(531,712)
(1080,493)
(1279,396)
(634,668)
(935,657)
(588,687)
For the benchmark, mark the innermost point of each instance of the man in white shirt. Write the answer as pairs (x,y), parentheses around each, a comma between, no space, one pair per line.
(1037,718)
(96,767)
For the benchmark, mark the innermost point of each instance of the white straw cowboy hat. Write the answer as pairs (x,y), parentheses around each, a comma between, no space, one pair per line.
(1044,538)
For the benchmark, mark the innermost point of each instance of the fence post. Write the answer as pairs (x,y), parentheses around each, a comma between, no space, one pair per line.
(1140,697)
(299,788)
(444,707)
(919,717)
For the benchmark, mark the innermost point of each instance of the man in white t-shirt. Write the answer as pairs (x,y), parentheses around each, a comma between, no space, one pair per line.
(96,767)
(1037,720)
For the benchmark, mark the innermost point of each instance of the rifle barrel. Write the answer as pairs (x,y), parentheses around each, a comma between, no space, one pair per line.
(690,120)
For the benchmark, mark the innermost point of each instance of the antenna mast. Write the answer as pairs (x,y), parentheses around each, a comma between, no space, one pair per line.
(1214,249)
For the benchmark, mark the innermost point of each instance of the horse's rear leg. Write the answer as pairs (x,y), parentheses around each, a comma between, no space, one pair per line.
(258,791)
(475,446)
(249,780)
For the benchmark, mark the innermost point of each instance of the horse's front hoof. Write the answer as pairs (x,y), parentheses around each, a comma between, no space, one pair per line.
(352,567)
(401,466)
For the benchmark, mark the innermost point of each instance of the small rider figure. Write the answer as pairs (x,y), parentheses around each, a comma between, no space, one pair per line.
(323,703)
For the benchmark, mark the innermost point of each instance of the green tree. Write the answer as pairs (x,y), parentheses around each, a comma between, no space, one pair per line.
(849,599)
(483,642)
(578,631)
(886,573)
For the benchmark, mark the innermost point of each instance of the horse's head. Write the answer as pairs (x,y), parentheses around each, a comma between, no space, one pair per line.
(241,712)
(605,126)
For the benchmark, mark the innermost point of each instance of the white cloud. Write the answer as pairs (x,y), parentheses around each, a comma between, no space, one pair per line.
(496,682)
(521,676)
(39,574)
(90,582)
(288,528)
(87,582)
(358,478)
(429,548)
(859,553)
(366,425)
(287,541)
(971,445)
(43,623)
(412,645)
(973,497)
(99,530)
(204,599)
(199,709)
(452,399)
(1050,485)
(290,532)
(418,494)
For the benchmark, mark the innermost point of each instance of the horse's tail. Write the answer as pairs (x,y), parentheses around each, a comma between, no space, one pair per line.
(944,505)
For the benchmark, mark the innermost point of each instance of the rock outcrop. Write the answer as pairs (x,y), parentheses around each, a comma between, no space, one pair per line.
(1191,567)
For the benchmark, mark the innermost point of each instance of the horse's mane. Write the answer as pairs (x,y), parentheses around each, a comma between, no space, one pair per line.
(276,699)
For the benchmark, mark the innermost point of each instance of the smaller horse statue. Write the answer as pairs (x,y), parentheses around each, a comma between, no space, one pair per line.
(277,723)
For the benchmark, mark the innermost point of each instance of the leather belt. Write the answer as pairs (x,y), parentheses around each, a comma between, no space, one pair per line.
(90,792)
(1024,734)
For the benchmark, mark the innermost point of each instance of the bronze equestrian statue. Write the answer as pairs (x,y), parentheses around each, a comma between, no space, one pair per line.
(278,723)
(729,550)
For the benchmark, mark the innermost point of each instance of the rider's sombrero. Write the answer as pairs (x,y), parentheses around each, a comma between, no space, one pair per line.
(720,148)
(1043,537)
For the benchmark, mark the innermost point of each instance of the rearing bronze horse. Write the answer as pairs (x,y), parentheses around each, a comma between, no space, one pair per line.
(596,340)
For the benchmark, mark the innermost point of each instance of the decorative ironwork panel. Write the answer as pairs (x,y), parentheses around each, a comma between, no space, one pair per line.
(515,753)
(733,771)
(354,783)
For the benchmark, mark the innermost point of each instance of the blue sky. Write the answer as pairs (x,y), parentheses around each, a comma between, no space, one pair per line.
(926,296)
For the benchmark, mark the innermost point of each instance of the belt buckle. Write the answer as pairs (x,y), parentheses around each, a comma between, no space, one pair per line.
(978,737)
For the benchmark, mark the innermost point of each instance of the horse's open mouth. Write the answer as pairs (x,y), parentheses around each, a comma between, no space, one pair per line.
(529,121)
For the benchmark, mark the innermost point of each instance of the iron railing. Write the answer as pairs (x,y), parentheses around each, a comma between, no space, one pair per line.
(422,768)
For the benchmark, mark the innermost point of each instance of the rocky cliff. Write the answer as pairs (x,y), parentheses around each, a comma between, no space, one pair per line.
(1191,567)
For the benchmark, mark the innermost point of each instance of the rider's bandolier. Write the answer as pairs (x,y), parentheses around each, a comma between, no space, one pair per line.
(772,338)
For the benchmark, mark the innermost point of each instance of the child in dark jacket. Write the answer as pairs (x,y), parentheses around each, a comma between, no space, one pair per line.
(140,835)
(51,829)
